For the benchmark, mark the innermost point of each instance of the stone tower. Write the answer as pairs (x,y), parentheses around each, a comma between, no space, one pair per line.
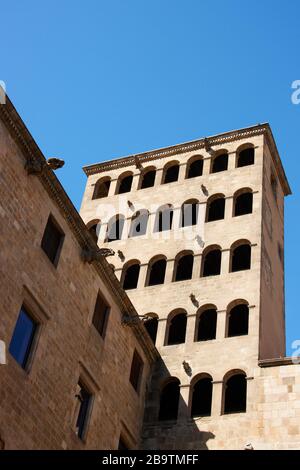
(198,235)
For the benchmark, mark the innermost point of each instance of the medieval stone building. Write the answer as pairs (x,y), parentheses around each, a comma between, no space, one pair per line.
(174,341)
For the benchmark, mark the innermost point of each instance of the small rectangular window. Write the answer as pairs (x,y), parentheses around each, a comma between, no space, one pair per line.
(52,240)
(136,371)
(84,398)
(100,316)
(22,339)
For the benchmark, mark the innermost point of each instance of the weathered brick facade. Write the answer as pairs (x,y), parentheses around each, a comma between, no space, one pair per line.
(37,406)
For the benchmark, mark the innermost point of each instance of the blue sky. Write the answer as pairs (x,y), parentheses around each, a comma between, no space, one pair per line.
(99,79)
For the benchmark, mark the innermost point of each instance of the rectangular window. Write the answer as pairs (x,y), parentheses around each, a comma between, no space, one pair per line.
(84,397)
(52,240)
(100,316)
(22,339)
(136,371)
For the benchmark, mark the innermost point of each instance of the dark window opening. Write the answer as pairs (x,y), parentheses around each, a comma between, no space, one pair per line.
(216,209)
(171,174)
(148,179)
(94,231)
(151,326)
(52,240)
(189,214)
(202,397)
(22,339)
(243,204)
(136,371)
(246,157)
(139,224)
(212,263)
(207,325)
(100,317)
(195,168)
(169,401)
(177,329)
(157,272)
(131,277)
(184,268)
(125,184)
(241,258)
(235,394)
(164,220)
(115,229)
(84,398)
(220,163)
(101,189)
(238,320)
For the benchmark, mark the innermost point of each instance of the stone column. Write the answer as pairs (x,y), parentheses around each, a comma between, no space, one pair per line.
(183,408)
(225,261)
(221,324)
(190,329)
(135,181)
(169,271)
(161,332)
(228,208)
(206,165)
(251,393)
(197,266)
(231,160)
(216,405)
(182,171)
(158,177)
(112,187)
(142,276)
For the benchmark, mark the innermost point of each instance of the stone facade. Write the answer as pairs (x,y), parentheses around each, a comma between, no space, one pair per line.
(38,405)
(272,413)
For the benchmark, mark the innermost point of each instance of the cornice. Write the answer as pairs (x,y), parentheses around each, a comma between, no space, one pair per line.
(224,138)
(276,362)
(31,152)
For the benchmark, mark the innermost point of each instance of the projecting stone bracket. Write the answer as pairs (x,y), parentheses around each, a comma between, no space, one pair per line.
(95,255)
(36,167)
(128,320)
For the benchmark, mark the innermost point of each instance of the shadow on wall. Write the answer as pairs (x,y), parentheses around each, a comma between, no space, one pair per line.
(167,420)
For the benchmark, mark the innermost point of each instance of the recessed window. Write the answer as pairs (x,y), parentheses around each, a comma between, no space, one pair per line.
(215,208)
(131,276)
(177,329)
(184,267)
(171,173)
(169,400)
(211,262)
(219,163)
(238,320)
(115,228)
(164,219)
(139,223)
(235,396)
(156,272)
(52,240)
(243,203)
(23,337)
(148,178)
(101,188)
(84,398)
(202,397)
(124,183)
(100,317)
(151,326)
(245,157)
(195,168)
(241,257)
(136,372)
(207,324)
(189,213)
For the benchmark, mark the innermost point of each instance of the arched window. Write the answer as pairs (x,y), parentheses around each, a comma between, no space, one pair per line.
(139,223)
(124,183)
(184,266)
(219,162)
(245,156)
(164,218)
(151,325)
(171,172)
(176,328)
(156,271)
(94,227)
(147,178)
(201,396)
(130,275)
(211,261)
(194,167)
(169,400)
(189,213)
(215,208)
(242,202)
(102,188)
(206,323)
(115,228)
(235,393)
(240,256)
(237,319)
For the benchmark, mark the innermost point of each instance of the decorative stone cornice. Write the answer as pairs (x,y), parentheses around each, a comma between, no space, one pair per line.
(35,159)
(200,144)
